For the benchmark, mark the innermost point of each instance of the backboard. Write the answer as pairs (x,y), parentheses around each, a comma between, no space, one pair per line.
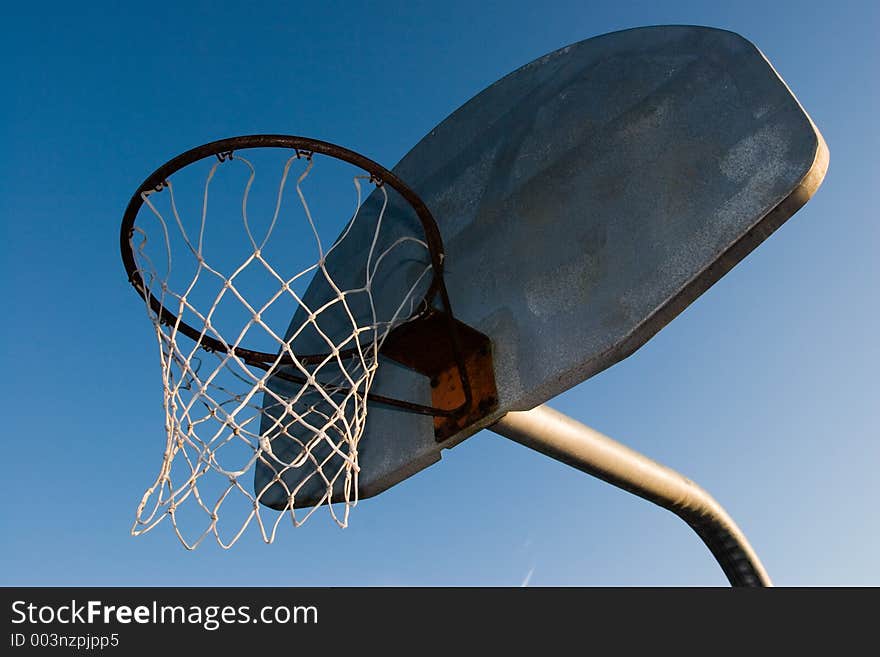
(584,201)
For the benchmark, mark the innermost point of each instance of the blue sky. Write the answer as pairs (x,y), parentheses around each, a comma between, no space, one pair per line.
(764,390)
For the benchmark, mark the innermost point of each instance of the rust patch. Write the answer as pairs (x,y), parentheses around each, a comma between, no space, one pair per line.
(424,345)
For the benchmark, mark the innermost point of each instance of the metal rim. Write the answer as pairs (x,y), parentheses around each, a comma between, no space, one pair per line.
(304,147)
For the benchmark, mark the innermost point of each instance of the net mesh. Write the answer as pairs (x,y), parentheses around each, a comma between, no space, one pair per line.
(227,418)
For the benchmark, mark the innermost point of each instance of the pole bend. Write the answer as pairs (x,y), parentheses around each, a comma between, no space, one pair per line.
(560,437)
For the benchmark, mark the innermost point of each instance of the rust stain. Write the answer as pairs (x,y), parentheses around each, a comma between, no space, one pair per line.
(424,345)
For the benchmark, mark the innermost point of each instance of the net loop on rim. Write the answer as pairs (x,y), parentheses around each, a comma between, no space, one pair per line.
(230,409)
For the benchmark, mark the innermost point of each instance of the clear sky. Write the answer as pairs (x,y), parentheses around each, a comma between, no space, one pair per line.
(764,390)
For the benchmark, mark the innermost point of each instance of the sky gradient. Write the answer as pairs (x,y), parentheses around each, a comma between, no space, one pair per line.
(764,391)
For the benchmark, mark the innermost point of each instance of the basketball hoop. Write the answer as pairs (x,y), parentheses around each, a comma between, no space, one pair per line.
(288,410)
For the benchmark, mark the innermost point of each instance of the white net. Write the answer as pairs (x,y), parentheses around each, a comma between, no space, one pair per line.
(249,442)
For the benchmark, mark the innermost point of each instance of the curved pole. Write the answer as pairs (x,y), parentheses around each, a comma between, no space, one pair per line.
(565,439)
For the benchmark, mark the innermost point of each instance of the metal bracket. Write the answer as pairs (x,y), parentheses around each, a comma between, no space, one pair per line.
(423,345)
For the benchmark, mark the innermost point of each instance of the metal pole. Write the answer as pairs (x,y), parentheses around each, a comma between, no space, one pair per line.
(565,439)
